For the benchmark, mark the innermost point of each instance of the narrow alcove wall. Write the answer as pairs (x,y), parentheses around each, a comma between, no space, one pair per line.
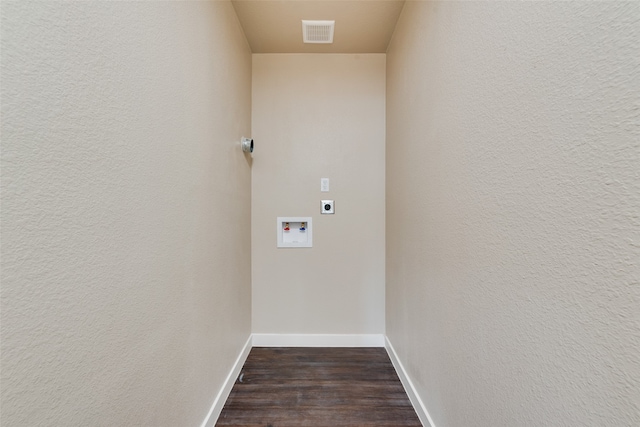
(315,116)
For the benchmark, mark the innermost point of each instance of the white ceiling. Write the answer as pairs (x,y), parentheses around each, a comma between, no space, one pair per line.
(275,26)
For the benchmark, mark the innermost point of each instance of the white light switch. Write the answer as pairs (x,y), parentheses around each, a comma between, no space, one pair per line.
(324,184)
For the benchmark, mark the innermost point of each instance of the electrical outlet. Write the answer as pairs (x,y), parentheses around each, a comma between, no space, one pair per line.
(327,207)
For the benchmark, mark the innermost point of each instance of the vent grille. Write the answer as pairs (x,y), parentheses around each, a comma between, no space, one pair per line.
(317,31)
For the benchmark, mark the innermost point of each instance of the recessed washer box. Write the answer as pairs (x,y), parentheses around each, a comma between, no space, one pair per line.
(294,232)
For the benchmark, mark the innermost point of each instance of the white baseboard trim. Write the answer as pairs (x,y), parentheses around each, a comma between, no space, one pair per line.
(318,340)
(224,392)
(419,407)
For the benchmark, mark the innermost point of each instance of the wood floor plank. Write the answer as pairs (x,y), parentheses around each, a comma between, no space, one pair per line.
(282,387)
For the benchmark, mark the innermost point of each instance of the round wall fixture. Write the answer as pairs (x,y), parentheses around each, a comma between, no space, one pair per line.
(247,145)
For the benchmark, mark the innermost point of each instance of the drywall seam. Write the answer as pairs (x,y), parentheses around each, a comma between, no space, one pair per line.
(413,395)
(225,390)
(318,340)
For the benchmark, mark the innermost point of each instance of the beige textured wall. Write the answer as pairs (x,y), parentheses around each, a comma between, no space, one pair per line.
(319,116)
(125,210)
(513,201)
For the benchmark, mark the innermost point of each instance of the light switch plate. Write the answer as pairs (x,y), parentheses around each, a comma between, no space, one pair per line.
(327,207)
(324,184)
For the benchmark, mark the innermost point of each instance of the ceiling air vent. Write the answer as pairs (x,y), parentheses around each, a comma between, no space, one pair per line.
(317,31)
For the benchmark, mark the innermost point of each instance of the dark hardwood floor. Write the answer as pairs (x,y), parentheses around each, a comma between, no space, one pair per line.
(287,387)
